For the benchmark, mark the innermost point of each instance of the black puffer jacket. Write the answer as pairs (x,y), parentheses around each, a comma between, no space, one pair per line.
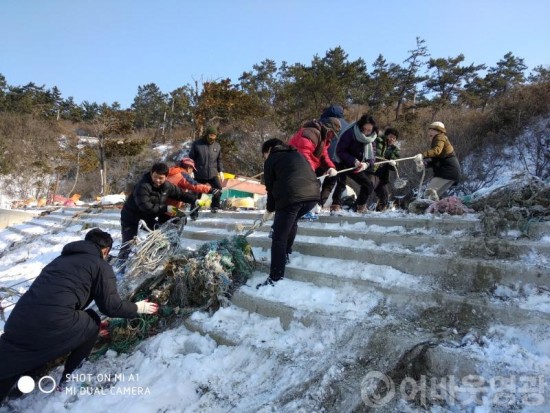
(48,321)
(207,157)
(288,178)
(148,202)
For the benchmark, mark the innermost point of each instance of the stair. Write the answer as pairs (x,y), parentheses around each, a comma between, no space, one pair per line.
(396,294)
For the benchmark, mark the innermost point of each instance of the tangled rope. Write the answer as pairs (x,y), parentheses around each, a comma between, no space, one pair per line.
(179,280)
(515,206)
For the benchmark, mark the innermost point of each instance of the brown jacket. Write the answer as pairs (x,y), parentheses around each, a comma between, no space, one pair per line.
(441,147)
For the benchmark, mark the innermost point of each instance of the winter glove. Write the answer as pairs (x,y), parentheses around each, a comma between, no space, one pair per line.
(220,175)
(360,166)
(104,329)
(392,163)
(332,172)
(171,210)
(145,307)
(418,158)
(201,202)
(267,216)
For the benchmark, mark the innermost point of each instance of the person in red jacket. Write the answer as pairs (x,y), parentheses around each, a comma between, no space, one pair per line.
(312,141)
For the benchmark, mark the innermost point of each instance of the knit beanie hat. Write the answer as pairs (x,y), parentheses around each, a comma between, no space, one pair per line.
(438,126)
(210,130)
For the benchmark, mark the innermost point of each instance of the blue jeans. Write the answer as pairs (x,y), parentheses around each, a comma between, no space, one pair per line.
(285,226)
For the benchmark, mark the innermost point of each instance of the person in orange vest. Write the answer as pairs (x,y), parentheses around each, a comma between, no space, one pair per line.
(182,177)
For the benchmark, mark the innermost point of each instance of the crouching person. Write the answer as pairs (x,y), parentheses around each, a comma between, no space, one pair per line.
(183,177)
(51,320)
(292,191)
(148,202)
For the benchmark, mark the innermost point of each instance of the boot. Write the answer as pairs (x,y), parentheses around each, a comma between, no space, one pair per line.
(268,281)
(335,209)
(362,209)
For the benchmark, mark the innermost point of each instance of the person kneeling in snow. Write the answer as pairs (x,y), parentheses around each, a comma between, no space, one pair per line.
(50,319)
(292,191)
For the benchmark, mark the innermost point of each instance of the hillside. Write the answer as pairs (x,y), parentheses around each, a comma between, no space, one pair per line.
(393,299)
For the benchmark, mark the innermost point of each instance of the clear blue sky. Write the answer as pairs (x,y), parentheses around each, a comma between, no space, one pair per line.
(102,50)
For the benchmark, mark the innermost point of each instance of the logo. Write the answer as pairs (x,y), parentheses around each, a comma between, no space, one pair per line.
(26,384)
(377,389)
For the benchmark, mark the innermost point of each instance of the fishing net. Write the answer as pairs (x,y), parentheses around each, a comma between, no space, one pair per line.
(179,280)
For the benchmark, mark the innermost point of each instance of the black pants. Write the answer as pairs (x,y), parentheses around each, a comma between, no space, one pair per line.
(216,184)
(84,349)
(128,230)
(285,227)
(76,357)
(365,183)
(6,385)
(381,190)
(328,184)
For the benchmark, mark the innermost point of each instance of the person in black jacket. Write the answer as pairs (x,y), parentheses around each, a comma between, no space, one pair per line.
(50,319)
(206,153)
(292,191)
(148,202)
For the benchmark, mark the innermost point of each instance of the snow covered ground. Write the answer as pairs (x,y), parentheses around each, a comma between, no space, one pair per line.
(238,360)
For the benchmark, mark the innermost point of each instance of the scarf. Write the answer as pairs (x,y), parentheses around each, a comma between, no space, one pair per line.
(366,140)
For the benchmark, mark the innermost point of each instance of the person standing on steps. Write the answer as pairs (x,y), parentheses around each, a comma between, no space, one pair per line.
(312,141)
(51,320)
(442,159)
(206,153)
(292,191)
(336,111)
(355,149)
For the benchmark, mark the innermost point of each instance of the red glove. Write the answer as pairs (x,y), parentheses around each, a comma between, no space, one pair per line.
(104,329)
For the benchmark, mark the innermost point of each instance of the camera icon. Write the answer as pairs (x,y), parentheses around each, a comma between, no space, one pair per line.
(46,384)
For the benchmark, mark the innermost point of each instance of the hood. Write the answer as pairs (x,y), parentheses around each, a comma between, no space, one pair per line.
(175,170)
(81,247)
(283,148)
(333,111)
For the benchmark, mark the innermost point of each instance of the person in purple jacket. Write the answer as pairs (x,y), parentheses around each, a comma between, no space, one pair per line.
(356,149)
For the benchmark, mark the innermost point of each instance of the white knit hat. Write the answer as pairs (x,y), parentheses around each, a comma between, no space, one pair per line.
(438,126)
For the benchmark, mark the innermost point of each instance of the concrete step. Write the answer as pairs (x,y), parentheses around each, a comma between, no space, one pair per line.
(467,245)
(450,273)
(418,294)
